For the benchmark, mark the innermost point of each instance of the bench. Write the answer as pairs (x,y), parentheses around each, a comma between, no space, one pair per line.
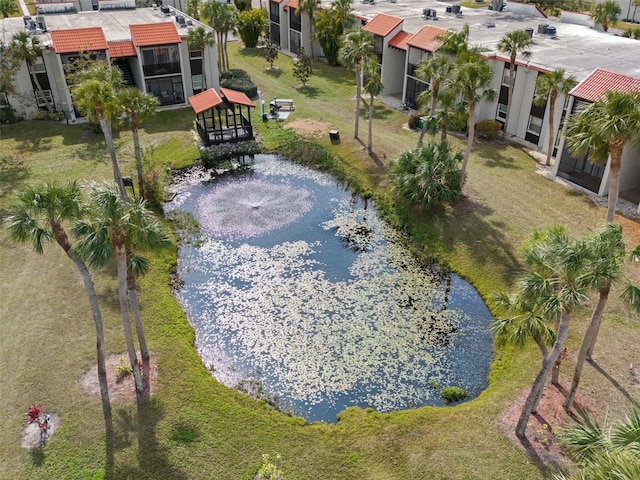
(282,104)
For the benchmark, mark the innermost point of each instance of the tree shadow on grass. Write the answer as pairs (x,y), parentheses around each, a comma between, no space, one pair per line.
(310,92)
(615,383)
(275,72)
(495,158)
(37,456)
(152,457)
(483,237)
(171,121)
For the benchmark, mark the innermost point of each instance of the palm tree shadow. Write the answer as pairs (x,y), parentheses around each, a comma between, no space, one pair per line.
(37,456)
(614,382)
(546,465)
(310,92)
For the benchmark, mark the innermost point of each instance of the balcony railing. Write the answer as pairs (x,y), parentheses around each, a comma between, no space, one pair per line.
(161,69)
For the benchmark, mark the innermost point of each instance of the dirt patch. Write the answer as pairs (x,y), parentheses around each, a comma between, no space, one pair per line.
(309,128)
(541,442)
(120,388)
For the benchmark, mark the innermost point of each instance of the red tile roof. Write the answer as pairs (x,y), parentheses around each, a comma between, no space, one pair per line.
(426,38)
(382,24)
(236,97)
(122,49)
(600,81)
(89,39)
(149,34)
(400,40)
(292,4)
(205,100)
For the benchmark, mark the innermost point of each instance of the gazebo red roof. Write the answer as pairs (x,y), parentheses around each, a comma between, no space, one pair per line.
(239,98)
(205,101)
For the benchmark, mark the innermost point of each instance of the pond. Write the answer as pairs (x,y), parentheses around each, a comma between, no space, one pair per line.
(301,295)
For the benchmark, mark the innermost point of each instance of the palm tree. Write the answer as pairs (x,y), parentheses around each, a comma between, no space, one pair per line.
(428,176)
(373,87)
(213,13)
(514,43)
(39,217)
(200,38)
(27,47)
(344,9)
(309,7)
(601,130)
(356,46)
(455,43)
(606,13)
(8,8)
(114,227)
(552,282)
(604,454)
(228,25)
(136,107)
(96,96)
(608,256)
(550,86)
(472,79)
(436,69)
(193,9)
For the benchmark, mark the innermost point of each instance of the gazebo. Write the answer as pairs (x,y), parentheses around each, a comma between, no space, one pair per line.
(220,117)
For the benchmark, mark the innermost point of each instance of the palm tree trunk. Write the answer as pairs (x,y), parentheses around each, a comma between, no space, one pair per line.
(63,240)
(226,51)
(138,154)
(471,126)
(358,91)
(552,108)
(512,67)
(615,151)
(204,72)
(219,50)
(434,99)
(588,341)
(144,349)
(121,260)
(106,131)
(370,143)
(311,32)
(538,385)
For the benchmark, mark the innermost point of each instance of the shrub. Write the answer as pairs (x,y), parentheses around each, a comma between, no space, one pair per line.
(216,153)
(239,80)
(7,115)
(428,176)
(489,129)
(453,394)
(122,369)
(250,25)
(303,69)
(414,121)
(46,115)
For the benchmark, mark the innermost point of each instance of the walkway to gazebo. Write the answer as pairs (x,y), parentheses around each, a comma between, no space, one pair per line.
(220,117)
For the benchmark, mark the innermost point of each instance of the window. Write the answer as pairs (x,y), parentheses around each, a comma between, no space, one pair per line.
(505,75)
(43,99)
(502,111)
(535,125)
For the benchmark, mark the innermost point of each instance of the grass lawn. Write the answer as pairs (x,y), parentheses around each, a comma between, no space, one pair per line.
(196,428)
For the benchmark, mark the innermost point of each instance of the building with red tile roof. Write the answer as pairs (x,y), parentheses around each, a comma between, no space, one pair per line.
(74,40)
(427,38)
(383,24)
(399,41)
(145,35)
(595,86)
(120,49)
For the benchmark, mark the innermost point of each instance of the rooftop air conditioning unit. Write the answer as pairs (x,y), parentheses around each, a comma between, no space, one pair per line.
(542,28)
(551,31)
(165,10)
(455,9)
(529,32)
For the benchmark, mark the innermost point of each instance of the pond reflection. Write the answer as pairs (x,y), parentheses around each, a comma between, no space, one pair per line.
(300,294)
